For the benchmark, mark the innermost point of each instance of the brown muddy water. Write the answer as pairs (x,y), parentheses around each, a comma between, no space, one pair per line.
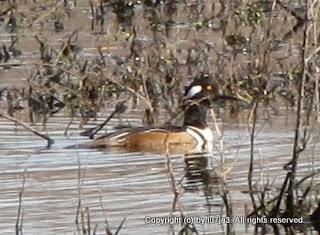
(64,191)
(137,186)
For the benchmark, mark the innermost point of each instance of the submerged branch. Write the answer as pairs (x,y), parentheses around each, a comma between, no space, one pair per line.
(298,129)
(252,136)
(26,126)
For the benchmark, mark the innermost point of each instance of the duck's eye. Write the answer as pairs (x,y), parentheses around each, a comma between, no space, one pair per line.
(209,88)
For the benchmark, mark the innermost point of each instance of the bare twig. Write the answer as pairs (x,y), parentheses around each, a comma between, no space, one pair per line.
(120,107)
(80,181)
(26,126)
(296,146)
(174,185)
(252,138)
(65,46)
(220,136)
(47,14)
(120,226)
(88,221)
(229,213)
(19,220)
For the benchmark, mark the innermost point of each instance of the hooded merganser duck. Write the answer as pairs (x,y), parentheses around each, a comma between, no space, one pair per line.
(193,134)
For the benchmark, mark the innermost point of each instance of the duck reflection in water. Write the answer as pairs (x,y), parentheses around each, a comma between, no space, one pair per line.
(199,176)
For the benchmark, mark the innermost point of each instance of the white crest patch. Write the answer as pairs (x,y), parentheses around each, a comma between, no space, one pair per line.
(193,91)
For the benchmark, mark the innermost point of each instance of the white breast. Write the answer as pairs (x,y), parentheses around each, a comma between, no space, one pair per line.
(202,136)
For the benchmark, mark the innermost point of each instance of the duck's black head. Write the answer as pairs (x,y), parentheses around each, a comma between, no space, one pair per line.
(203,91)
(198,97)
